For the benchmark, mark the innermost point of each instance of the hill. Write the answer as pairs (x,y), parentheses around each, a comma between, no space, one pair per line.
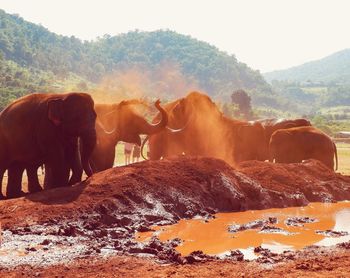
(320,88)
(331,70)
(160,63)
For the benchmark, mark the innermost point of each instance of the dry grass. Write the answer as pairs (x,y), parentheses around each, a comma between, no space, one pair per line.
(344,158)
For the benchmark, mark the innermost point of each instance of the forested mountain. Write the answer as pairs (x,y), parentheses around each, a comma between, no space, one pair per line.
(331,70)
(160,59)
(320,87)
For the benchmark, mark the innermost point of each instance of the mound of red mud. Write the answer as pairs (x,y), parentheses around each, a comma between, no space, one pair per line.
(309,181)
(103,213)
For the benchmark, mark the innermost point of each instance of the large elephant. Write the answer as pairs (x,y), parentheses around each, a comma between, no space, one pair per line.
(127,125)
(271,125)
(194,113)
(300,143)
(38,129)
(206,132)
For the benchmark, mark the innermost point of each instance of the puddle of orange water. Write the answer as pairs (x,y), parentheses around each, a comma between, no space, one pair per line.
(213,238)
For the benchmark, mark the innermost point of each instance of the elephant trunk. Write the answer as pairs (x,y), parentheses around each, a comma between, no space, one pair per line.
(155,128)
(271,153)
(88,142)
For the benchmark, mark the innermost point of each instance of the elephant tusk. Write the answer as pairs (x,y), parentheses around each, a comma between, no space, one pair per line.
(104,130)
(142,146)
(174,130)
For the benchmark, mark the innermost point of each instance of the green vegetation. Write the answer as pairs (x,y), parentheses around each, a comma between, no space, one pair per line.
(320,89)
(329,71)
(164,58)
(312,98)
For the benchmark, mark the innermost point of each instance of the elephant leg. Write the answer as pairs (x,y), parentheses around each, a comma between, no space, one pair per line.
(56,177)
(4,163)
(110,157)
(59,176)
(33,181)
(57,170)
(2,171)
(77,173)
(14,183)
(103,158)
(48,177)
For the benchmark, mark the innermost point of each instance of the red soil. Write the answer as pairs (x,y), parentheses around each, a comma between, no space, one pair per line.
(320,263)
(160,192)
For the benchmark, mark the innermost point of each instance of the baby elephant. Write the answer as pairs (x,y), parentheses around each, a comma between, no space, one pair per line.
(297,144)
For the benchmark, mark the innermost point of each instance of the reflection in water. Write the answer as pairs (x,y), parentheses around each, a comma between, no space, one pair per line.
(342,223)
(212,237)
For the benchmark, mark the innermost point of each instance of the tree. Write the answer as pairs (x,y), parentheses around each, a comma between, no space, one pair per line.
(243,100)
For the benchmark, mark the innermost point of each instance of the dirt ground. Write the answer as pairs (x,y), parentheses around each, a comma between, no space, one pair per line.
(88,229)
(323,263)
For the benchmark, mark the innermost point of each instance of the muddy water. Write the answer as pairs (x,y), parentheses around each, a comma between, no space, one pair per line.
(213,237)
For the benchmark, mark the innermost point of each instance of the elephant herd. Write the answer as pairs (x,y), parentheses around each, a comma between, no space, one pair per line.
(208,132)
(70,134)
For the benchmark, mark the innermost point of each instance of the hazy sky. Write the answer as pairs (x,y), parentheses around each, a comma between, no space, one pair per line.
(265,34)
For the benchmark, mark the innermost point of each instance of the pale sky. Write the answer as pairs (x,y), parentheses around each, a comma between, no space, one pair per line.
(265,34)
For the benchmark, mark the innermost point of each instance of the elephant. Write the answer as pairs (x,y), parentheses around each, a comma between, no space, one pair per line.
(249,141)
(39,128)
(159,142)
(271,125)
(300,143)
(205,131)
(190,114)
(126,125)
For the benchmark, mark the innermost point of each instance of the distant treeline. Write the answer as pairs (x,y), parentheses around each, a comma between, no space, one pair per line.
(167,65)
(38,56)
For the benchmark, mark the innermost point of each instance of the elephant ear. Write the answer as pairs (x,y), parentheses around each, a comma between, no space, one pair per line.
(55,111)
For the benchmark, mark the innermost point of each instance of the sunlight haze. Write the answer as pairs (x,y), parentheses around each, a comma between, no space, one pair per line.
(266,35)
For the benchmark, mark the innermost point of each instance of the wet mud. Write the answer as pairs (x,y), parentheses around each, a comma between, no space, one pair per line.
(99,217)
(275,230)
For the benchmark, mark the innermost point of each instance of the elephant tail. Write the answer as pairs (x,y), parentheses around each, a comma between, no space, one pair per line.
(143,145)
(336,156)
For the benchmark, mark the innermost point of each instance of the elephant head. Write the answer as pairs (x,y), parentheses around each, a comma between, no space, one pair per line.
(129,124)
(75,116)
(193,110)
(191,119)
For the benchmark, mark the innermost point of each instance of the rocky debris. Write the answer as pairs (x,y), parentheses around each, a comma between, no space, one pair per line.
(198,256)
(259,249)
(235,255)
(268,257)
(331,233)
(345,245)
(256,224)
(266,229)
(299,221)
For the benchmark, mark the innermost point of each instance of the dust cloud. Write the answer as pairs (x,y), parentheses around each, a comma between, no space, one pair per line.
(214,130)
(165,81)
